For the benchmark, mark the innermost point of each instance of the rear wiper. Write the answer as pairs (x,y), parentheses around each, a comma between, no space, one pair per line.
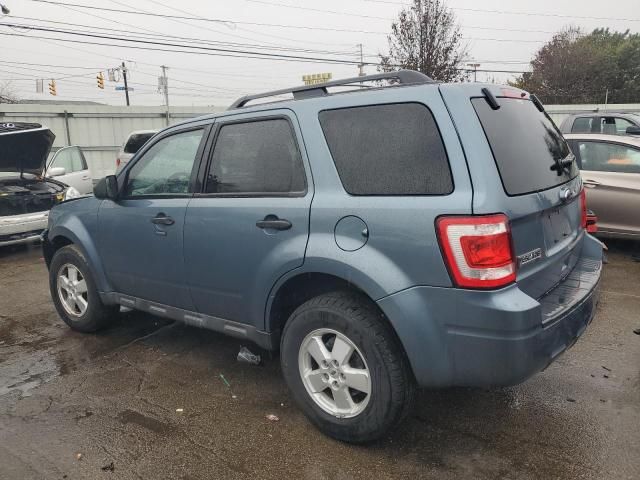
(563,165)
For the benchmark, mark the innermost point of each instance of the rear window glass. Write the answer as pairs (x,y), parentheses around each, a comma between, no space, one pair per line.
(526,144)
(387,150)
(136,141)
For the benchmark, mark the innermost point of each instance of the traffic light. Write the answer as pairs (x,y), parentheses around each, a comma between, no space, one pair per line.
(100,79)
(52,87)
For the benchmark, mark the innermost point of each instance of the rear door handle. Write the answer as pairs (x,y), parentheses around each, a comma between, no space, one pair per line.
(273,222)
(162,219)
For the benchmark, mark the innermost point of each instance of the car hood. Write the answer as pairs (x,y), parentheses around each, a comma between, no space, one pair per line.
(24,149)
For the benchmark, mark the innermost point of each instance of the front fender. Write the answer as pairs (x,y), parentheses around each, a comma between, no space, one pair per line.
(78,223)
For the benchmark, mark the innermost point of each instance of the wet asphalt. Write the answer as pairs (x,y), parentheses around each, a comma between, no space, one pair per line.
(152,399)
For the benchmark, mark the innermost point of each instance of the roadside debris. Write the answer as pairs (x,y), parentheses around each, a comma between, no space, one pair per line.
(246,356)
(272,418)
(78,456)
(179,410)
(109,467)
(572,400)
(605,375)
(606,368)
(225,381)
(637,331)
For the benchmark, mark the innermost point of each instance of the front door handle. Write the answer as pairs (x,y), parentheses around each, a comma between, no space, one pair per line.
(590,183)
(273,222)
(162,219)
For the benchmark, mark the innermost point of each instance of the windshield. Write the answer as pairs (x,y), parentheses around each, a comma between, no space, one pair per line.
(528,148)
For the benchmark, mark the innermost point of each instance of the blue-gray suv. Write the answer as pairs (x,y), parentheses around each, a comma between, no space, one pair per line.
(382,238)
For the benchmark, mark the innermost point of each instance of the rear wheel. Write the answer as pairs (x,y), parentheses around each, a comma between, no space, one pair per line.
(74,292)
(346,368)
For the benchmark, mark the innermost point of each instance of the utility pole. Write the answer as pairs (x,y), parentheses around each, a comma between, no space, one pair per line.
(475,70)
(361,66)
(163,87)
(126,86)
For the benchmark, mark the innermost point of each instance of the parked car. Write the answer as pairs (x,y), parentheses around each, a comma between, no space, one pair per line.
(26,196)
(417,234)
(131,145)
(69,166)
(610,167)
(608,123)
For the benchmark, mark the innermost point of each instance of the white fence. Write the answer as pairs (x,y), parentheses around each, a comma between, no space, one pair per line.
(100,130)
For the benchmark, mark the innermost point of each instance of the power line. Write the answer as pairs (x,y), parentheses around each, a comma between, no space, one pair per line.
(276,25)
(131,34)
(507,12)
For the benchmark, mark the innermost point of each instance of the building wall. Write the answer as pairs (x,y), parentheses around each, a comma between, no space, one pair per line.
(100,129)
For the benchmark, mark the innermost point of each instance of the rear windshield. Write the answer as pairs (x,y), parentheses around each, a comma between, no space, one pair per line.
(136,141)
(526,144)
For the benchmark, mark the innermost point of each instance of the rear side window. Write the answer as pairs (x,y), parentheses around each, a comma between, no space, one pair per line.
(136,141)
(387,150)
(526,144)
(255,158)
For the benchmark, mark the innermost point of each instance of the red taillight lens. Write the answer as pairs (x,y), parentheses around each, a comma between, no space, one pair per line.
(583,208)
(478,250)
(117,162)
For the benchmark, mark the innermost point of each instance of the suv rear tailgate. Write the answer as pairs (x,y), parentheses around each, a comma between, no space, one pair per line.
(513,153)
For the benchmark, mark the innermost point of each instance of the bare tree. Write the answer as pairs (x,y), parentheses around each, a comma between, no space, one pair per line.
(7,94)
(427,38)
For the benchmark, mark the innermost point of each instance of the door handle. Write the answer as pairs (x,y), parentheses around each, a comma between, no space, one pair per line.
(86,177)
(162,219)
(590,183)
(273,222)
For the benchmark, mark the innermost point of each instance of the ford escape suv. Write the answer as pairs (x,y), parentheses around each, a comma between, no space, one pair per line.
(418,234)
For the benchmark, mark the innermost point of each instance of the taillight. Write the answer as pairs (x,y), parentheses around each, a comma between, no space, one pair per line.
(117,162)
(583,208)
(478,250)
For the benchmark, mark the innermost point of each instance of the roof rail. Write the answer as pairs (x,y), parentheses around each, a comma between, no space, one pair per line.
(319,90)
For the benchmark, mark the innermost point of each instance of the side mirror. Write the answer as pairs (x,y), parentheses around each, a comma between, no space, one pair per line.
(633,130)
(106,187)
(56,171)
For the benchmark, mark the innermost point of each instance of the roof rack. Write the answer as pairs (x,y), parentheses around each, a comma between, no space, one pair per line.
(404,77)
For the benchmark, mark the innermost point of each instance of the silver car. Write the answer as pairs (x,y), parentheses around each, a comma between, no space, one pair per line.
(610,168)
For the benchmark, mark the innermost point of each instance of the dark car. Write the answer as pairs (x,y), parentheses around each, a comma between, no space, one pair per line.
(381,238)
(609,123)
(26,196)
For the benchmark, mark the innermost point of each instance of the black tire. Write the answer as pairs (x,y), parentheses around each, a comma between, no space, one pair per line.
(97,314)
(392,382)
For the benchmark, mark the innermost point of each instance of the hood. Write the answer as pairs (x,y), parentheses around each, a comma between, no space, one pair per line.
(24,147)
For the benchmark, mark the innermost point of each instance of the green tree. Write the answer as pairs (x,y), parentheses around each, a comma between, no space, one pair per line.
(426,38)
(577,68)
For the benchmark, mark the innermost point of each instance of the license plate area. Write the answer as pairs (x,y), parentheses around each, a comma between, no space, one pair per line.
(559,228)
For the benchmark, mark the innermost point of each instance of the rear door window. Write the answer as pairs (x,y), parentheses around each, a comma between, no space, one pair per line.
(257,158)
(526,144)
(391,149)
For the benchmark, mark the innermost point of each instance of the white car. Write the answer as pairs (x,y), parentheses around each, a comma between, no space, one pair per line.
(131,145)
(69,166)
(26,193)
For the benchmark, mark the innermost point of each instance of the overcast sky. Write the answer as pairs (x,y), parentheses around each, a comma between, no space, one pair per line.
(498,40)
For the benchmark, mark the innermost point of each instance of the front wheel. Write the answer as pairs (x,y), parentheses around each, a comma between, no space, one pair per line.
(346,368)
(74,292)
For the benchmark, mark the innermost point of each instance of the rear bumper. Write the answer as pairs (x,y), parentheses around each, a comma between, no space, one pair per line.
(22,228)
(498,338)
